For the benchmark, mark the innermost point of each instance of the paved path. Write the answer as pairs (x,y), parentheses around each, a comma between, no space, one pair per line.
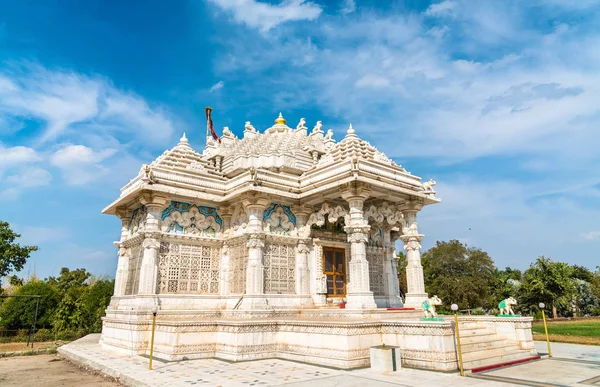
(133,370)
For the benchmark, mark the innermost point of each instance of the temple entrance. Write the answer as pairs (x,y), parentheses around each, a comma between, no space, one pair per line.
(334,265)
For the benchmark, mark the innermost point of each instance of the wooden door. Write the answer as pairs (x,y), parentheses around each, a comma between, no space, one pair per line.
(334,266)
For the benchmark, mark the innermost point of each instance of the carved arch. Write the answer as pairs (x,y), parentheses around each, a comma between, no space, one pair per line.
(334,212)
(385,211)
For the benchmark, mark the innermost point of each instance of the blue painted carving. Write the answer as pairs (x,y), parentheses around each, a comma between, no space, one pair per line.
(280,218)
(183,218)
(137,219)
(185,207)
(376,238)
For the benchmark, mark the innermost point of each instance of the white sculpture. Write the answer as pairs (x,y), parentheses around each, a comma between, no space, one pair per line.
(249,127)
(506,305)
(301,124)
(227,132)
(429,306)
(318,127)
(329,134)
(428,185)
(148,174)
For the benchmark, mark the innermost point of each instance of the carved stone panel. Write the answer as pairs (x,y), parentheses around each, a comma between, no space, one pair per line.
(184,268)
(279,262)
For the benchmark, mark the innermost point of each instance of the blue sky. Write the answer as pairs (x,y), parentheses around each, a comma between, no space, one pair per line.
(495,100)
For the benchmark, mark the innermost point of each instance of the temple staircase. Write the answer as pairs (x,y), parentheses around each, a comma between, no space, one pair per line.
(481,347)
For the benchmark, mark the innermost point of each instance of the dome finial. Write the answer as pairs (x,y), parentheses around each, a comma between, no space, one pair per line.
(183,138)
(280,120)
(351,130)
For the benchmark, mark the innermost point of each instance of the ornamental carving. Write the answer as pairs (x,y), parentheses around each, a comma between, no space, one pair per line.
(256,241)
(385,211)
(375,237)
(138,220)
(333,212)
(279,219)
(303,247)
(239,220)
(151,243)
(358,237)
(185,218)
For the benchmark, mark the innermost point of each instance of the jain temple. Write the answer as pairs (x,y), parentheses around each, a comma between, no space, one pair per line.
(280,244)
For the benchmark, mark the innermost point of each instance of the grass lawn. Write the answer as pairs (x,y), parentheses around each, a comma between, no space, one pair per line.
(578,332)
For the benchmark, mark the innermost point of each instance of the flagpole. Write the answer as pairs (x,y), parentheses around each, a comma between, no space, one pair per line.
(207,112)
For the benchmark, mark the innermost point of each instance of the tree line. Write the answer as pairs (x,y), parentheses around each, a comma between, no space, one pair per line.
(70,305)
(468,277)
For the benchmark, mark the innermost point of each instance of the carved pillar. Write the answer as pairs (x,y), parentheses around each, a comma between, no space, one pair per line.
(415,294)
(151,244)
(302,272)
(225,213)
(254,297)
(359,294)
(123,259)
(390,270)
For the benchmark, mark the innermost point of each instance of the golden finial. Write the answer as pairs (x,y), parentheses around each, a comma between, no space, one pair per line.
(280,120)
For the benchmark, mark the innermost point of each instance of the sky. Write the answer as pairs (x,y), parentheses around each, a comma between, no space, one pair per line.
(498,101)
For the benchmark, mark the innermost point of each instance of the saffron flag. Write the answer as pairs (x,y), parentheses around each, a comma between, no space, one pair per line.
(209,124)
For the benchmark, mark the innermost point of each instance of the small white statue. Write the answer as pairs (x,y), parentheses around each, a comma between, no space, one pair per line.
(506,305)
(148,174)
(249,127)
(227,132)
(329,134)
(428,185)
(318,127)
(429,306)
(301,124)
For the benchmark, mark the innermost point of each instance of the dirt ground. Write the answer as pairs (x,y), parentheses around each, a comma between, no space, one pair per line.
(46,370)
(22,347)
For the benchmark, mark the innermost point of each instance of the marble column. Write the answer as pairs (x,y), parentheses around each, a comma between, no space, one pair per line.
(302,251)
(123,259)
(390,271)
(359,294)
(225,213)
(151,244)
(254,297)
(415,294)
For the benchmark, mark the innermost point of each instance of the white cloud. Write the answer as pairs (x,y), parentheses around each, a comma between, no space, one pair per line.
(264,17)
(592,235)
(349,7)
(63,100)
(24,177)
(374,81)
(80,164)
(441,9)
(17,155)
(217,86)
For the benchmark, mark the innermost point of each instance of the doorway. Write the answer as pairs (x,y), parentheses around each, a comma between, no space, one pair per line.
(334,266)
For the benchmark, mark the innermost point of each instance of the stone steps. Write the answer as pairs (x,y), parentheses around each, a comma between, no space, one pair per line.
(482,347)
(482,359)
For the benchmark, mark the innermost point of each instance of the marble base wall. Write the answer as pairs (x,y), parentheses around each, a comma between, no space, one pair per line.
(329,341)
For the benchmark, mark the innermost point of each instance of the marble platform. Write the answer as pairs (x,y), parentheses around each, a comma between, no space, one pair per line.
(336,338)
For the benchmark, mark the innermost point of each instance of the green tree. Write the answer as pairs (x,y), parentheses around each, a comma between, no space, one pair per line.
(459,274)
(13,256)
(582,273)
(548,282)
(506,283)
(73,290)
(402,273)
(96,302)
(585,300)
(18,312)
